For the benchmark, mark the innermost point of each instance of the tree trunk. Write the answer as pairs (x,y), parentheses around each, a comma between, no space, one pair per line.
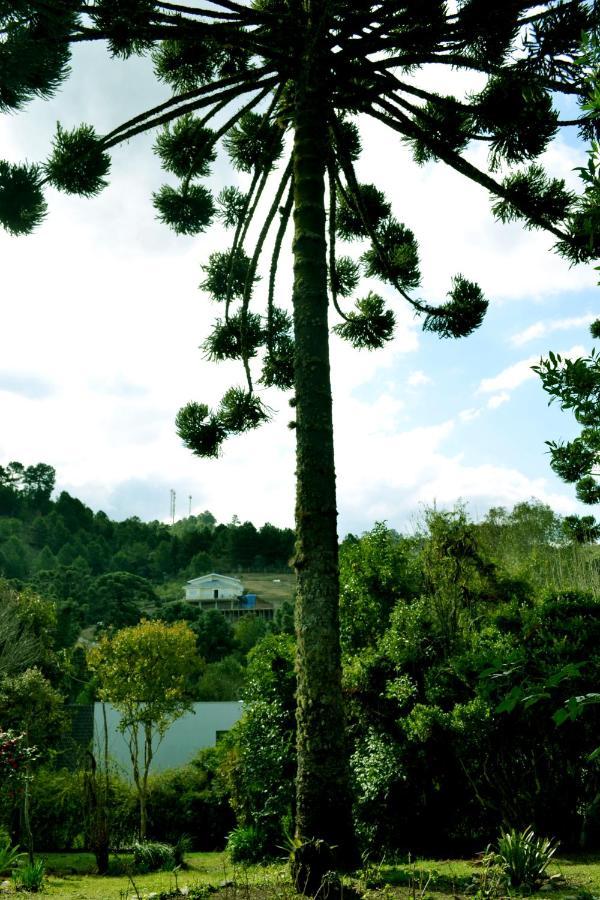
(322,791)
(27,813)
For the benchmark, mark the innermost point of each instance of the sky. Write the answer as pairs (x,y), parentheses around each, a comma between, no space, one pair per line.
(102,318)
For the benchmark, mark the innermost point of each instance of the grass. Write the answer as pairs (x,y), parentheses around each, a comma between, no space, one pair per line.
(71,878)
(269,586)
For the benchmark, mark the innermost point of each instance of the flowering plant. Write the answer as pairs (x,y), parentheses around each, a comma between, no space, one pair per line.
(15,754)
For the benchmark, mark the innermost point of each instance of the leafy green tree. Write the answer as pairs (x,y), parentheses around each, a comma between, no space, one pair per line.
(245,75)
(248,631)
(575,383)
(30,705)
(261,779)
(581,529)
(144,672)
(214,635)
(119,599)
(376,571)
(222,680)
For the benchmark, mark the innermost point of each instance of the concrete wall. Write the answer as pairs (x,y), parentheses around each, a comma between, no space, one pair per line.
(186,736)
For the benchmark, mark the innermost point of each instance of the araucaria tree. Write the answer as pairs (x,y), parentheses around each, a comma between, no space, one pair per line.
(283,86)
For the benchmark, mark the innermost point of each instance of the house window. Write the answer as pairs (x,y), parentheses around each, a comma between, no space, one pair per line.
(216,593)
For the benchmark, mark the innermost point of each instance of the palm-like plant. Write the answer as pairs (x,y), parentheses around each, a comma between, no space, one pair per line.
(282,84)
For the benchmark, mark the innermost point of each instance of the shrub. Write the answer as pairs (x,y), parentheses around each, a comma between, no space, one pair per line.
(190,800)
(9,856)
(524,857)
(152,856)
(247,844)
(30,878)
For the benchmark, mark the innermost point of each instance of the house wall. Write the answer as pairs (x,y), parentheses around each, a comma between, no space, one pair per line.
(190,733)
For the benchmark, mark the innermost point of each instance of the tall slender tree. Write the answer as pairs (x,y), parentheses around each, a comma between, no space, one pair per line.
(247,75)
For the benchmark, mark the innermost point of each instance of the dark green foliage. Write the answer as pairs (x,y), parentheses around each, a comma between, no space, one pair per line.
(22,204)
(371,326)
(247,844)
(524,858)
(214,635)
(232,338)
(348,139)
(356,215)
(260,776)
(588,490)
(187,210)
(231,202)
(200,430)
(488,28)
(595,329)
(186,148)
(254,143)
(119,599)
(518,114)
(153,856)
(241,411)
(346,276)
(126,24)
(191,800)
(442,119)
(78,164)
(278,366)
(34,54)
(581,529)
(376,572)
(226,274)
(395,258)
(186,65)
(534,191)
(203,431)
(30,878)
(462,314)
(571,461)
(222,680)
(575,383)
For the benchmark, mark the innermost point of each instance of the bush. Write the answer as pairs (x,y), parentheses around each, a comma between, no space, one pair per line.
(524,858)
(30,878)
(191,801)
(152,856)
(9,856)
(58,811)
(247,844)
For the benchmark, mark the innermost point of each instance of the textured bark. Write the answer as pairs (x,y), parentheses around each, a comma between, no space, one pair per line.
(323,797)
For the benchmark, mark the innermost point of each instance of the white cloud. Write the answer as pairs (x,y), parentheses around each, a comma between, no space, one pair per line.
(453,223)
(514,376)
(510,378)
(418,378)
(497,400)
(100,334)
(539,329)
(469,415)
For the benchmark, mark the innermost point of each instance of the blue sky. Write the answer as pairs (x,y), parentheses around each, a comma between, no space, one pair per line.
(102,318)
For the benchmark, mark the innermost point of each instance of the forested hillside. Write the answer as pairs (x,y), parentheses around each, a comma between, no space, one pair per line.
(463,646)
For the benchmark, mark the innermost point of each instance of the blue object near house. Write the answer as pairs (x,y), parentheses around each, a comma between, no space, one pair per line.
(249,601)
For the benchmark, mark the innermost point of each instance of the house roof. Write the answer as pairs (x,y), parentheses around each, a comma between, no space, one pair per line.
(214,578)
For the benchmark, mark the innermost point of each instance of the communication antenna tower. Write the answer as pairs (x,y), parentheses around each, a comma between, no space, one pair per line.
(190,505)
(173,495)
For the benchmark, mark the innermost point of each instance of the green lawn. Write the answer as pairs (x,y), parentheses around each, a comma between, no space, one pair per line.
(71,878)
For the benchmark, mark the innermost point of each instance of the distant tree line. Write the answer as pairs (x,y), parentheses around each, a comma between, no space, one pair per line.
(39,534)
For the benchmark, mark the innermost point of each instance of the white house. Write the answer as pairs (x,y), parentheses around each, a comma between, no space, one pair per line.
(213,587)
(226,594)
